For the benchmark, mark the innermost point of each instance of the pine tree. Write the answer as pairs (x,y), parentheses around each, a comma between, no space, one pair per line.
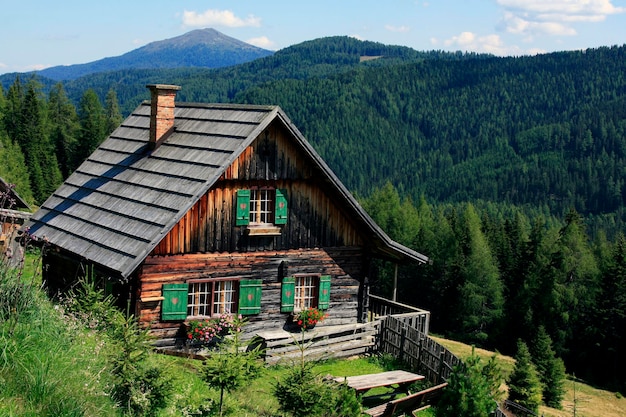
(64,127)
(13,168)
(481,294)
(112,115)
(524,383)
(92,125)
(12,118)
(610,319)
(469,391)
(41,161)
(551,369)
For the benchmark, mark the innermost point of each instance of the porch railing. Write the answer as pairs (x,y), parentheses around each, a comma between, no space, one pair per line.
(412,317)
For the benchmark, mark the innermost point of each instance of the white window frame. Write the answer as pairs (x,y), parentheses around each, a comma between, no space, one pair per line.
(306,293)
(212,297)
(262,205)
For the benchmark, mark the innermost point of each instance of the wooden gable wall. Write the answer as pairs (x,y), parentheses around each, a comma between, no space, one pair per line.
(315,218)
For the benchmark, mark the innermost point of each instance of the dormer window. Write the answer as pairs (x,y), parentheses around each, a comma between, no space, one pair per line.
(262,210)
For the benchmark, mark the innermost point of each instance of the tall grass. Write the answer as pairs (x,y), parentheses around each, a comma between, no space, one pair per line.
(49,365)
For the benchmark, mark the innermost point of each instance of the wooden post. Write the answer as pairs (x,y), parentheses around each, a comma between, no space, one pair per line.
(441,356)
(402,341)
(395,284)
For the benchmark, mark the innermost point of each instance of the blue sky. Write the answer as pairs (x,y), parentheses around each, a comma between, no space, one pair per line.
(43,33)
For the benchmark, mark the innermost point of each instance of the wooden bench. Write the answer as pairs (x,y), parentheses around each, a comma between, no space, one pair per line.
(418,401)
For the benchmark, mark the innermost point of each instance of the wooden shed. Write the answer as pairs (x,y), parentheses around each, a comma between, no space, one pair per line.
(191,210)
(14,211)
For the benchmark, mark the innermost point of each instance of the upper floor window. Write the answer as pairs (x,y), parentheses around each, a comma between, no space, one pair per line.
(261,205)
(260,208)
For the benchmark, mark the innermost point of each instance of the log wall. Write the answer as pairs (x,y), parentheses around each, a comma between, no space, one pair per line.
(344,265)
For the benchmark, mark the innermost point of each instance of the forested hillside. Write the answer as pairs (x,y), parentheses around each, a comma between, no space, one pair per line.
(507,172)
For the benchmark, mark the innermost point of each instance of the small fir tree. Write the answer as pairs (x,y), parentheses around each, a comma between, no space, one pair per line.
(524,383)
(469,391)
(551,369)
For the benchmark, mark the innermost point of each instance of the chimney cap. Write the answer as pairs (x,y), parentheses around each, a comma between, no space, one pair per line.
(163,87)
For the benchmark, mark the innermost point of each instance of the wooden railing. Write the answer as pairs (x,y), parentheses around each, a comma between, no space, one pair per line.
(414,317)
(416,349)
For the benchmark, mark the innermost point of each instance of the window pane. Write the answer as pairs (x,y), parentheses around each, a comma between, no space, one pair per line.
(198,298)
(224,297)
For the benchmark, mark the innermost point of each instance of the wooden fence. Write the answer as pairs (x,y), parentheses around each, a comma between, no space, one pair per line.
(407,343)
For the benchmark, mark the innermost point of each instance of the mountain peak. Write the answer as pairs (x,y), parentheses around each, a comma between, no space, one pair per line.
(208,37)
(206,48)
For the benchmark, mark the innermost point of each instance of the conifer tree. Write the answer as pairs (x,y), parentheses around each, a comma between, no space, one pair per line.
(524,383)
(481,294)
(610,319)
(39,154)
(13,168)
(92,125)
(64,127)
(550,369)
(469,391)
(112,115)
(12,118)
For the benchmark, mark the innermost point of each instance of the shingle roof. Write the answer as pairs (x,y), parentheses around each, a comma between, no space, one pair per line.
(11,199)
(120,203)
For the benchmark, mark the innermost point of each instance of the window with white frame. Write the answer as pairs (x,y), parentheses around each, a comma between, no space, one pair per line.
(209,298)
(261,206)
(306,291)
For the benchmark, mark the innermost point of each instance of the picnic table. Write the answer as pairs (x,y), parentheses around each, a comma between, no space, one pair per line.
(363,383)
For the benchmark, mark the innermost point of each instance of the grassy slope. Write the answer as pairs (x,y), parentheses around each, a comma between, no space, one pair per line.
(590,402)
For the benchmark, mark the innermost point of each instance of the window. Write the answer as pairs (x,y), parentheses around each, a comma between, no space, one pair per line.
(211,297)
(305,291)
(261,206)
(208,298)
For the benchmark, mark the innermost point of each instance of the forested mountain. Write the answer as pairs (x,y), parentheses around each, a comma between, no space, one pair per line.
(545,132)
(507,172)
(206,48)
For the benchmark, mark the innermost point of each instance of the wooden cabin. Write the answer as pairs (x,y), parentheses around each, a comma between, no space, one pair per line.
(191,210)
(12,217)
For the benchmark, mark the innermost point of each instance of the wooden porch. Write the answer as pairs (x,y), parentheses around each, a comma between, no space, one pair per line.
(343,340)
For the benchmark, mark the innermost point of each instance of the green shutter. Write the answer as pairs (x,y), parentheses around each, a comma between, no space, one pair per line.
(174,305)
(250,296)
(287,294)
(280,208)
(323,301)
(243,208)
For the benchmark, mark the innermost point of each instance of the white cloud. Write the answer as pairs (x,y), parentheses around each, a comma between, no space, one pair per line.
(213,17)
(261,42)
(468,41)
(400,29)
(553,17)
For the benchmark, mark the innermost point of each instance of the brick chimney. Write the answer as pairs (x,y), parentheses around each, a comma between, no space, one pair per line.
(161,112)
